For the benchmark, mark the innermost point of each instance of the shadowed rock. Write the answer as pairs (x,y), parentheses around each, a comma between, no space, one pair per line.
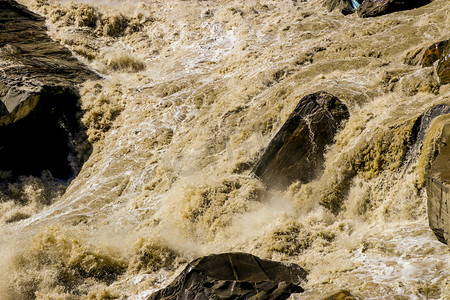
(234,276)
(297,150)
(39,111)
(434,53)
(438,188)
(443,66)
(373,8)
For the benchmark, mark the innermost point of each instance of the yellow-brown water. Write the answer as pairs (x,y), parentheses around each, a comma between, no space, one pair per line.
(192,93)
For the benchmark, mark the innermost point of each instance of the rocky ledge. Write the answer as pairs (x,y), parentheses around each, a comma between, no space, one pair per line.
(39,110)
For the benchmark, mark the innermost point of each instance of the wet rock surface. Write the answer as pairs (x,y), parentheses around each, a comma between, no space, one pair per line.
(434,53)
(373,8)
(39,111)
(342,295)
(438,189)
(234,276)
(443,66)
(297,151)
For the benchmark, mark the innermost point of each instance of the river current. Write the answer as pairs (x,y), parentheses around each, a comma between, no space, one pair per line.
(192,92)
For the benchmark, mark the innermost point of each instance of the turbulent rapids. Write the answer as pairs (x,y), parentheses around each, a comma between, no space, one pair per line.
(189,94)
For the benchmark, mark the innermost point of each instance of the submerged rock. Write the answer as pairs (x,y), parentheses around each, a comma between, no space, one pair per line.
(373,8)
(297,151)
(234,276)
(39,111)
(342,295)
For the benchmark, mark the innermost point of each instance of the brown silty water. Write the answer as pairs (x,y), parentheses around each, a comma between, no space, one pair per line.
(192,93)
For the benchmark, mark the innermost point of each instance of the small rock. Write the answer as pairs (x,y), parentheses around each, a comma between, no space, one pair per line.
(434,53)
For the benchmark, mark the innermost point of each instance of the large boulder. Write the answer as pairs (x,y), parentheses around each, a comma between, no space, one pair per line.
(373,8)
(39,110)
(438,188)
(234,276)
(297,151)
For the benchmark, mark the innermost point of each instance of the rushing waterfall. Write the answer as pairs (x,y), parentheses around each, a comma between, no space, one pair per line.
(191,94)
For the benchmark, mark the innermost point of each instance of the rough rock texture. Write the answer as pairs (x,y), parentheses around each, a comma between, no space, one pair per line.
(345,6)
(297,150)
(434,53)
(443,66)
(234,276)
(38,98)
(342,295)
(373,8)
(438,189)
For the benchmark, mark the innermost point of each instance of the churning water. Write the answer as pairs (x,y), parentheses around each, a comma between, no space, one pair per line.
(192,93)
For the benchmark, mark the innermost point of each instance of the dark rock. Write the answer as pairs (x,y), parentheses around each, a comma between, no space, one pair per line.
(422,124)
(39,110)
(438,188)
(373,8)
(434,53)
(297,150)
(234,276)
(443,66)
(345,6)
(342,295)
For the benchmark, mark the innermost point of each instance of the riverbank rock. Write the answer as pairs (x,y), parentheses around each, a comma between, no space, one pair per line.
(373,8)
(438,188)
(234,276)
(297,151)
(39,111)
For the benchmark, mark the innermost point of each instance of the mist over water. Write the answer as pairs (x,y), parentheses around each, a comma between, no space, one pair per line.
(192,93)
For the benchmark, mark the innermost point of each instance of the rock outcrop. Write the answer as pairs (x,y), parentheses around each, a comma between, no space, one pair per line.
(438,188)
(234,276)
(39,111)
(373,8)
(297,150)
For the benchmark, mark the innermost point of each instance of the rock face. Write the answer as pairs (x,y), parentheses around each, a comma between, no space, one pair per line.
(39,111)
(443,66)
(434,53)
(234,276)
(297,150)
(438,189)
(373,8)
